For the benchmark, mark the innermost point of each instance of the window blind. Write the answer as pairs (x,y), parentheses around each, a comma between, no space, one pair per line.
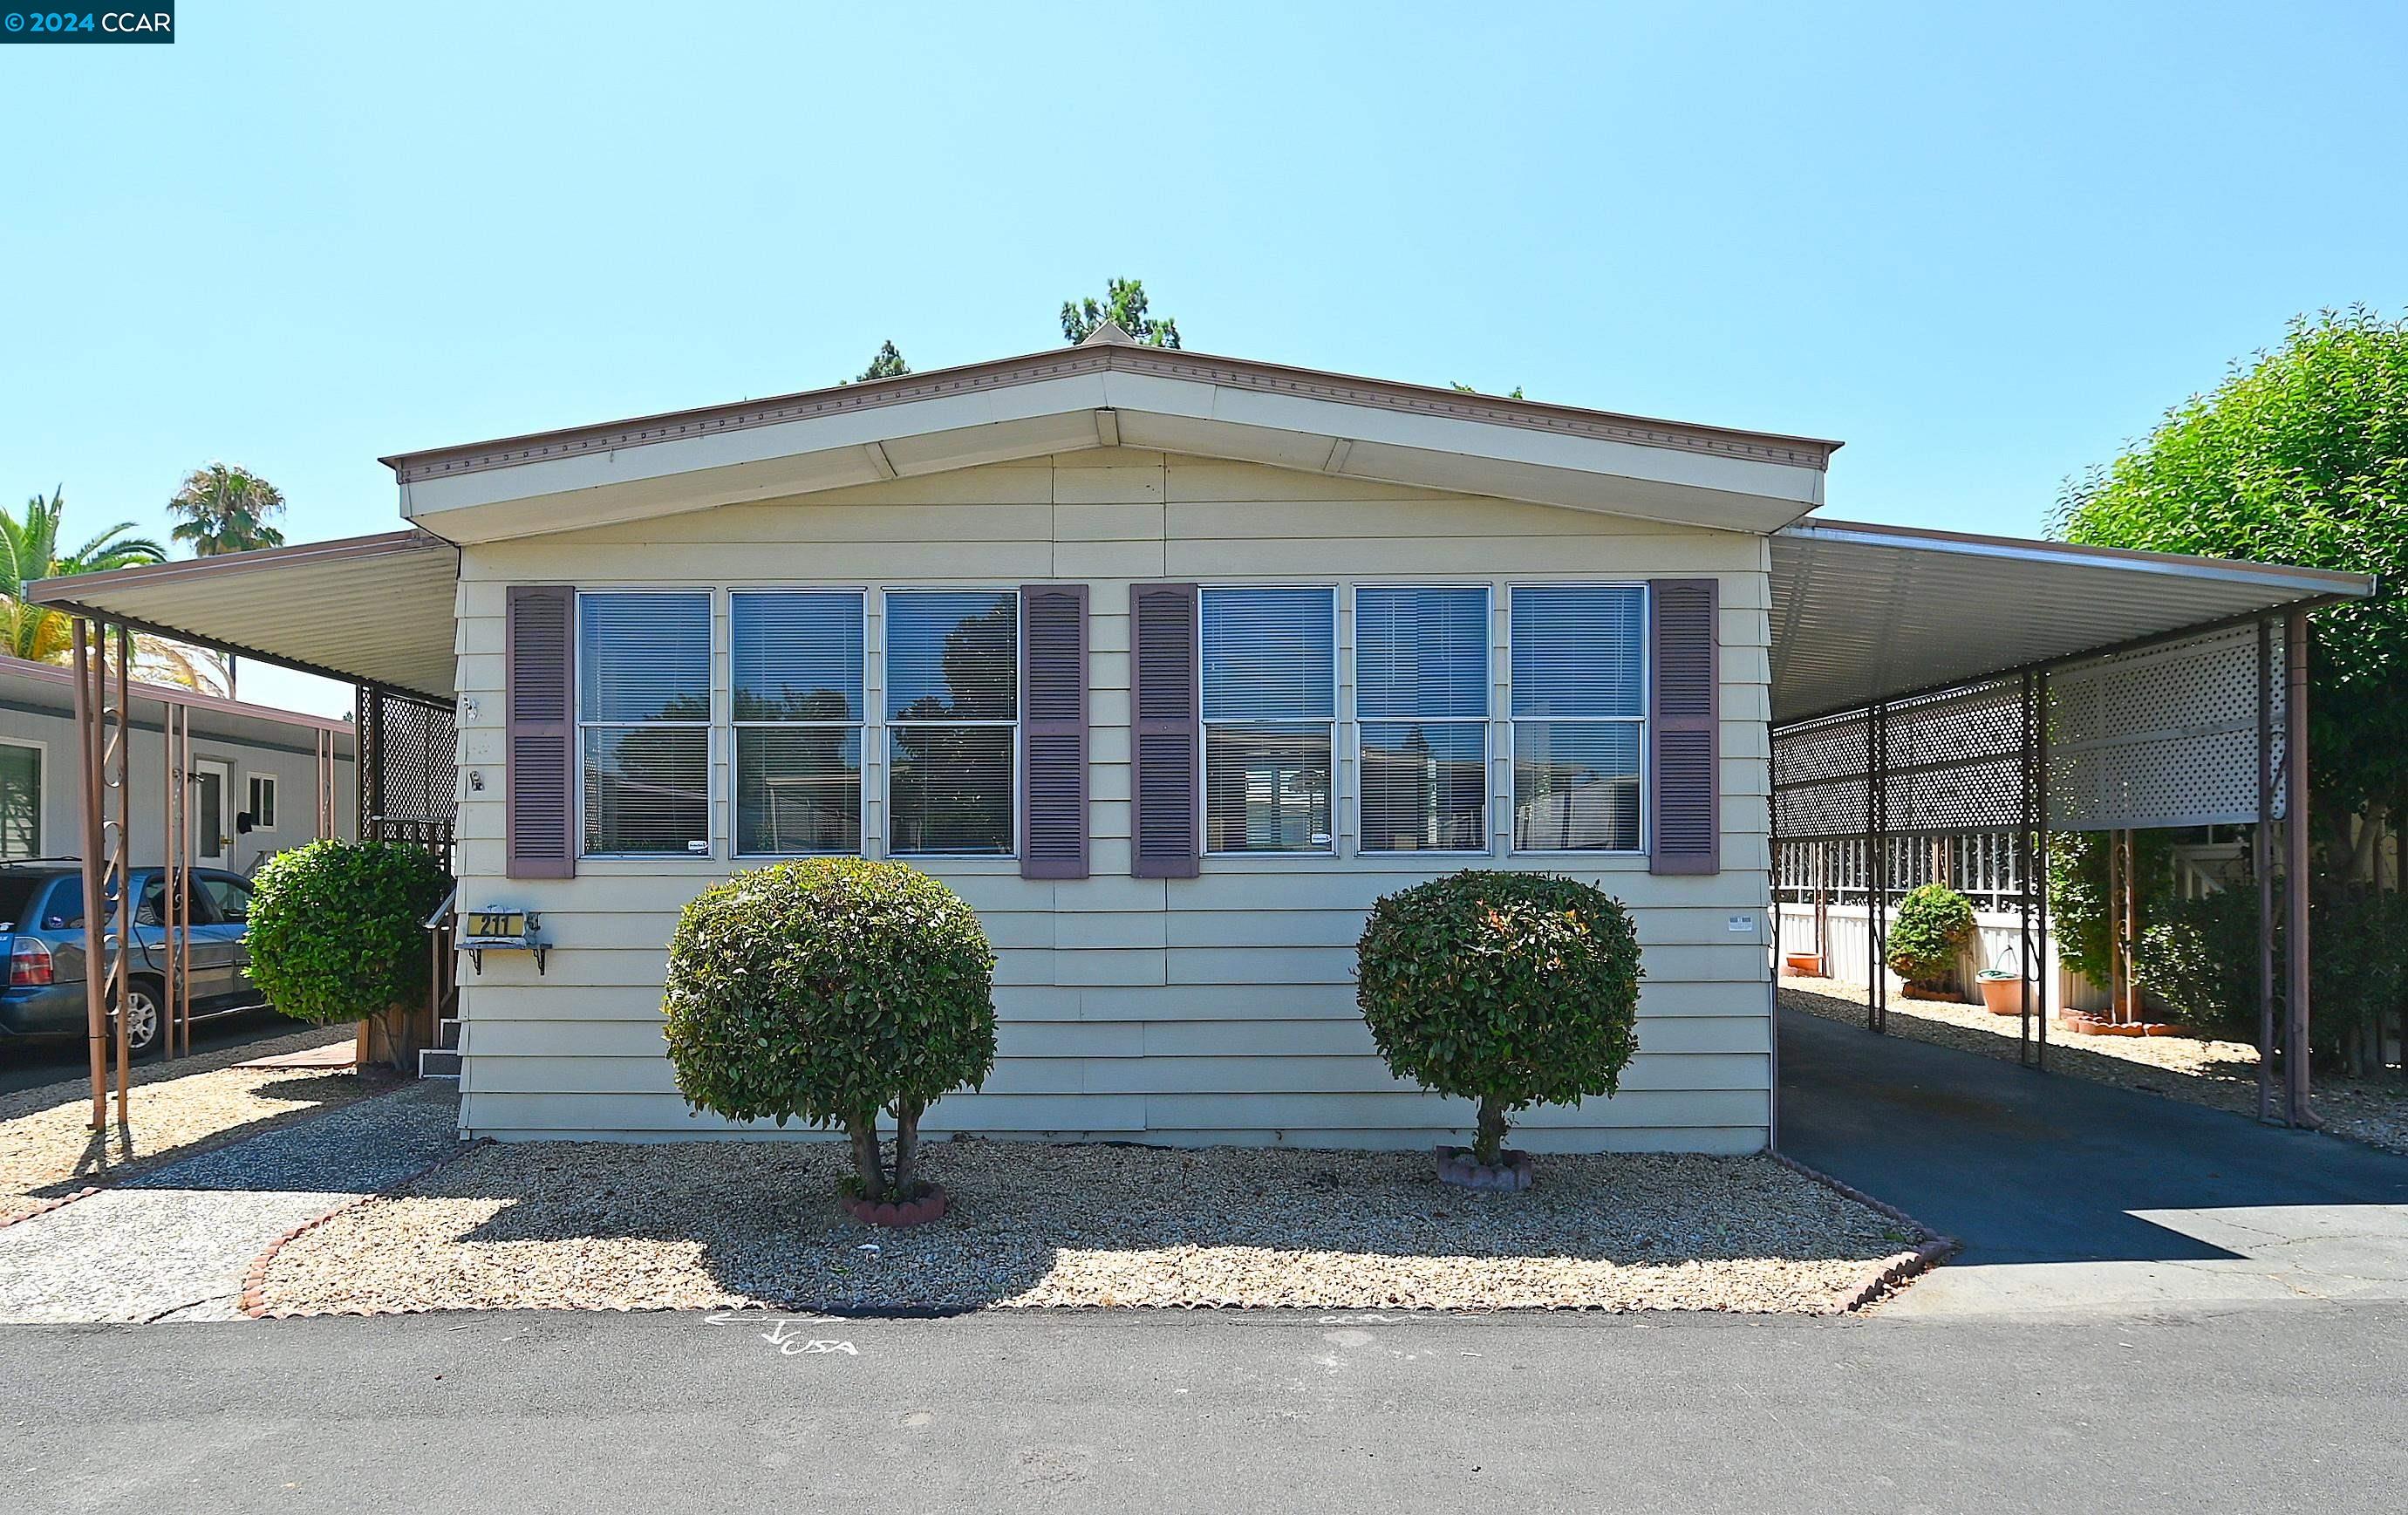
(798,656)
(1421,652)
(953,655)
(1579,650)
(1271,654)
(643,657)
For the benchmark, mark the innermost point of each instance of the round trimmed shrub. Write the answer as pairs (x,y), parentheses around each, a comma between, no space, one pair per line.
(826,991)
(338,932)
(1507,989)
(1933,926)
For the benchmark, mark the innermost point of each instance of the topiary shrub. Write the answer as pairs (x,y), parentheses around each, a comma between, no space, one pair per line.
(1508,989)
(1933,926)
(338,932)
(828,990)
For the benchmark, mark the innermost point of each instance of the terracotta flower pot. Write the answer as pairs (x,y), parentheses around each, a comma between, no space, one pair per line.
(1805,964)
(2004,996)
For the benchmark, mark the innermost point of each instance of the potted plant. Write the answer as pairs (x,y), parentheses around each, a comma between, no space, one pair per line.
(829,991)
(2002,991)
(1933,926)
(336,932)
(1506,989)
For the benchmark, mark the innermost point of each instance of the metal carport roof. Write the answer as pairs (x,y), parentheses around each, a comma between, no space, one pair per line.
(366,609)
(1862,612)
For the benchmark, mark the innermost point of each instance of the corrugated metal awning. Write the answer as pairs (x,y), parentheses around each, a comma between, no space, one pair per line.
(1863,613)
(366,609)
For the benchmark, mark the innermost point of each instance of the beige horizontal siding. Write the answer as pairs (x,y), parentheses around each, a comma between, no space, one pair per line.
(1181,1011)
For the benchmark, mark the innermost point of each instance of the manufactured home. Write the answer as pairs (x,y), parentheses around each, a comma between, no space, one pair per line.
(1170,664)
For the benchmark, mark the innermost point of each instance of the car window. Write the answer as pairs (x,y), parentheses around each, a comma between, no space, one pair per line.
(64,911)
(154,903)
(17,891)
(230,898)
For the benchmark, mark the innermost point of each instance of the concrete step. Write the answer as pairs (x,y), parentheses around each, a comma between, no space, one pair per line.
(437,1062)
(447,1032)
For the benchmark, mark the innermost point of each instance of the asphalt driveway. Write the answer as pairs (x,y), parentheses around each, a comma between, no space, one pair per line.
(2069,1194)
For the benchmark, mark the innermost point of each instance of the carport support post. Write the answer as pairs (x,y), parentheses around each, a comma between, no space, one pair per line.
(2295,842)
(2039,878)
(87,719)
(2261,864)
(2023,862)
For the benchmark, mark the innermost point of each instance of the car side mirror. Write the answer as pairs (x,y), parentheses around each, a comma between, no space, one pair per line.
(242,824)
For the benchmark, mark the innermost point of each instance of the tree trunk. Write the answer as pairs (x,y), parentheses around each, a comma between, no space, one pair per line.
(1488,1145)
(866,1165)
(907,1148)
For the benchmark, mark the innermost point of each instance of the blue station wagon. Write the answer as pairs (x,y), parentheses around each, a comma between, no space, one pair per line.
(41,910)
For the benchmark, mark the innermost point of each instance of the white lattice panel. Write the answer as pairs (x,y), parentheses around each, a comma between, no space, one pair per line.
(2167,737)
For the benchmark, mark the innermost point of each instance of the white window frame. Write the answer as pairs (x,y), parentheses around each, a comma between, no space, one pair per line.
(886,726)
(870,654)
(709,727)
(41,750)
(1485,722)
(1514,722)
(1340,699)
(254,785)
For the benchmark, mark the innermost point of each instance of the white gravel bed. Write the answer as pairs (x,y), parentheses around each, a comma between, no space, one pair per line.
(2198,1070)
(176,1243)
(47,1148)
(591,1225)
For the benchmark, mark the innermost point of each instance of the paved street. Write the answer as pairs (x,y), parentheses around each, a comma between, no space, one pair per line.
(1178,1413)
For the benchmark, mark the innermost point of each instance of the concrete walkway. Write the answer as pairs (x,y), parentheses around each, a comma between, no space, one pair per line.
(2076,1197)
(174,1244)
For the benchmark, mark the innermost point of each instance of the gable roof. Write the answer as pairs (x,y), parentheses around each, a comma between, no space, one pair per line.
(1109,392)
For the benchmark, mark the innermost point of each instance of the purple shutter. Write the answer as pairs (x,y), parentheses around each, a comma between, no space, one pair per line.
(540,660)
(1683,752)
(1164,734)
(1054,731)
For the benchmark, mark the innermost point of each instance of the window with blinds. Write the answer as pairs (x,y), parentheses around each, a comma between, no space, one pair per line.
(1579,671)
(1269,678)
(1421,697)
(952,713)
(643,709)
(20,800)
(797,669)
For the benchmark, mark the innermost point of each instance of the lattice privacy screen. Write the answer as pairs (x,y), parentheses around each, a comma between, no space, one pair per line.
(410,756)
(1951,761)
(2166,736)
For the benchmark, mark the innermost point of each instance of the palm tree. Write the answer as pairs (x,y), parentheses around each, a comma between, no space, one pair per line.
(29,550)
(225,508)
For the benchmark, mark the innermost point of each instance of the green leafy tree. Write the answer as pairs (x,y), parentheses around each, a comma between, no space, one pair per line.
(2299,456)
(888,364)
(29,550)
(337,932)
(222,509)
(1125,306)
(828,990)
(1506,989)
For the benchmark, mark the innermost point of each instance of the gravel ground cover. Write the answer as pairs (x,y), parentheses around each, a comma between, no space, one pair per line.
(175,1243)
(593,1225)
(48,1149)
(2198,1069)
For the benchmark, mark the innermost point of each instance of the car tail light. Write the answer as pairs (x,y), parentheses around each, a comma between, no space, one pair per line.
(29,961)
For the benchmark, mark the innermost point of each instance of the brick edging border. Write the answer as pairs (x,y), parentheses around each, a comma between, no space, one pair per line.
(1930,1251)
(48,1204)
(252,1301)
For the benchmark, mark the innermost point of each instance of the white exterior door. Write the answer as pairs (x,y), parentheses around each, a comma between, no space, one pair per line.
(212,824)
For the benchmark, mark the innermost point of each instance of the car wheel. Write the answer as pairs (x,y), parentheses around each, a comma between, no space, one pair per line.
(143,1021)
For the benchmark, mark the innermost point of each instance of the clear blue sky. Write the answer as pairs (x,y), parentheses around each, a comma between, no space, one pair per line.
(1981,249)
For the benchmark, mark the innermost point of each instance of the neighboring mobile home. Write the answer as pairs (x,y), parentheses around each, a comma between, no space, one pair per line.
(1170,664)
(255,780)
